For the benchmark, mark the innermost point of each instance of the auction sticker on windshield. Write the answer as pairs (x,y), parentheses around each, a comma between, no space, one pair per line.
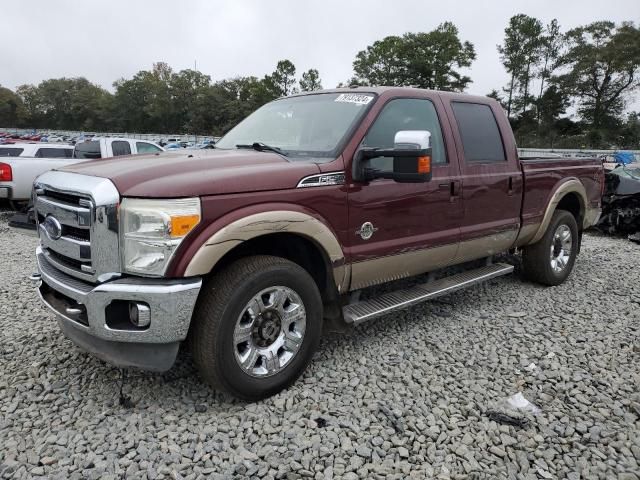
(354,98)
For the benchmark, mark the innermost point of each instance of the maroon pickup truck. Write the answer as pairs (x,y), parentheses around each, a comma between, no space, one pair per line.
(245,251)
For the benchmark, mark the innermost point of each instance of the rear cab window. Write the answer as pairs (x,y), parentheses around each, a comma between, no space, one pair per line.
(10,152)
(88,150)
(479,131)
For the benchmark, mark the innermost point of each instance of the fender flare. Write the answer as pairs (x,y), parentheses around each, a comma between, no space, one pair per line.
(572,185)
(264,223)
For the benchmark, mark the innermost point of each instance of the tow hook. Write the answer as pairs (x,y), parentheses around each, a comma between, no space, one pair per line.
(35,277)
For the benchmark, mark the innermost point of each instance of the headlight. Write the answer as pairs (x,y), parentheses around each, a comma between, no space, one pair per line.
(151,230)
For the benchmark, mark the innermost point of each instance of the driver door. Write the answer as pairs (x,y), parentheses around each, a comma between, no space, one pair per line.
(396,229)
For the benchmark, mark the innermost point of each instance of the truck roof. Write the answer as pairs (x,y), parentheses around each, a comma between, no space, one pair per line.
(400,90)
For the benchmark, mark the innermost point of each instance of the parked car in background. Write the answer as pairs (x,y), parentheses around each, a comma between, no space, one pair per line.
(30,160)
(36,150)
(113,147)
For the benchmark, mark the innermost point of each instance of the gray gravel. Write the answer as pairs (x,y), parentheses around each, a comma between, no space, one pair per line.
(406,396)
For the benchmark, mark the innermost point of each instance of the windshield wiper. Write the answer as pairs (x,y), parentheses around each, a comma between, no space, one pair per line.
(261,147)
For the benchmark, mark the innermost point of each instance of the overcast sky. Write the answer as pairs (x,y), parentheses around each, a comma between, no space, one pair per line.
(107,40)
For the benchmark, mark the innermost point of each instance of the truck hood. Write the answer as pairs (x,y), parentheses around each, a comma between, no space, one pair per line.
(189,173)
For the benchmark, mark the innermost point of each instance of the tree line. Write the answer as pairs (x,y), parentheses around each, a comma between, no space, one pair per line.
(566,88)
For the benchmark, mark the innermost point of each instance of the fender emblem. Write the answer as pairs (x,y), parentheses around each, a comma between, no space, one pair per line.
(366,230)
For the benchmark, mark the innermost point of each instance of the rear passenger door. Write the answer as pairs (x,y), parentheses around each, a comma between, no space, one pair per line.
(491,179)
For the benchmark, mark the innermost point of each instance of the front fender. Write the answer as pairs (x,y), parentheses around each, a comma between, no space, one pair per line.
(226,233)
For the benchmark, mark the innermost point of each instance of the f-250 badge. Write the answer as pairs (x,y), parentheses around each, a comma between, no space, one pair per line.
(366,230)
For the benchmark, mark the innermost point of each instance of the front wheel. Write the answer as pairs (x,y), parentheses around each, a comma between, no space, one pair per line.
(550,260)
(256,326)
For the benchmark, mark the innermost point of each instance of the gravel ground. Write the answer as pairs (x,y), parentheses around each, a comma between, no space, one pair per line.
(406,396)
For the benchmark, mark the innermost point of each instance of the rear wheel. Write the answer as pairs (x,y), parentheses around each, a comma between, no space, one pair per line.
(550,260)
(256,326)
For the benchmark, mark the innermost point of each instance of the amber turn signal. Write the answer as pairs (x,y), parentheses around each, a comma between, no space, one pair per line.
(424,164)
(183,224)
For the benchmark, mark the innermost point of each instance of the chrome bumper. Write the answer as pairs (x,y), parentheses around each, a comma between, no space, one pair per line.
(87,315)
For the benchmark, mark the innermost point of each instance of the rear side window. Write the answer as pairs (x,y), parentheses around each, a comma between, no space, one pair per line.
(54,153)
(480,134)
(144,147)
(10,152)
(87,150)
(120,148)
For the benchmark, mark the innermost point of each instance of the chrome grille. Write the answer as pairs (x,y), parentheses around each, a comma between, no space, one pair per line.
(81,238)
(74,216)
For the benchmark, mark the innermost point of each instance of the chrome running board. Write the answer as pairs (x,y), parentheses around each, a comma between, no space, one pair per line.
(362,311)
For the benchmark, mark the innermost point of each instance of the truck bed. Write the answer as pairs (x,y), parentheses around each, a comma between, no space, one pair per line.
(542,175)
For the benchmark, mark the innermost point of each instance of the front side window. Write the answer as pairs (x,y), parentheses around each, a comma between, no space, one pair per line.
(303,126)
(480,134)
(120,148)
(404,114)
(144,147)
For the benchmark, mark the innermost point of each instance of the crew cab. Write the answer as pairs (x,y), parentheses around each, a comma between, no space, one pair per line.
(17,174)
(247,250)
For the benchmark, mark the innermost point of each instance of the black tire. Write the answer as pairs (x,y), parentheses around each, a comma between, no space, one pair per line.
(222,301)
(536,258)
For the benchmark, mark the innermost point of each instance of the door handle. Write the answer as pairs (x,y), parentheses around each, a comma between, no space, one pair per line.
(453,187)
(510,188)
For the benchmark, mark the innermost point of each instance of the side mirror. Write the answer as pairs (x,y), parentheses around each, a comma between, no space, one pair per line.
(411,159)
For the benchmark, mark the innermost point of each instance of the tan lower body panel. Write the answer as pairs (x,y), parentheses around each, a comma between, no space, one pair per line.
(591,216)
(394,267)
(386,269)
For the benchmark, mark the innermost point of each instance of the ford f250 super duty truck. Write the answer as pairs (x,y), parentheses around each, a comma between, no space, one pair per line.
(246,250)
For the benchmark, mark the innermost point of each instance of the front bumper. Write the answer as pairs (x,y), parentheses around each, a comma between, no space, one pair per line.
(92,315)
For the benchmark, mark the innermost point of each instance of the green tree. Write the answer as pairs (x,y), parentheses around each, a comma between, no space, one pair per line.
(12,110)
(382,63)
(602,68)
(496,96)
(552,41)
(144,103)
(424,60)
(310,81)
(520,53)
(188,90)
(283,80)
(67,103)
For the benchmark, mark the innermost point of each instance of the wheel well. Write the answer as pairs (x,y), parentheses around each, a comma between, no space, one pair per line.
(293,247)
(571,203)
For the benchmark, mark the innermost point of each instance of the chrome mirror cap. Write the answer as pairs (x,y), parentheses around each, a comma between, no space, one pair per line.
(412,139)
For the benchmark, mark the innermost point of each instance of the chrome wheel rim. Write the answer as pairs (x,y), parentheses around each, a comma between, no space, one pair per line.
(561,246)
(269,332)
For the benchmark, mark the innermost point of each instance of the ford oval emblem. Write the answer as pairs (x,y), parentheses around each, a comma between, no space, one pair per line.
(53,228)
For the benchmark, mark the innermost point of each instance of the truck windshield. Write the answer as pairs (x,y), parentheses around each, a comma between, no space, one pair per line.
(309,126)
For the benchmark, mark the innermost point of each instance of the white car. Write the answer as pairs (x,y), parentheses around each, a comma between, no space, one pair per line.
(35,150)
(21,163)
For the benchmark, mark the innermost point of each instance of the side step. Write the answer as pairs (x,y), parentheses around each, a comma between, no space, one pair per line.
(362,311)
